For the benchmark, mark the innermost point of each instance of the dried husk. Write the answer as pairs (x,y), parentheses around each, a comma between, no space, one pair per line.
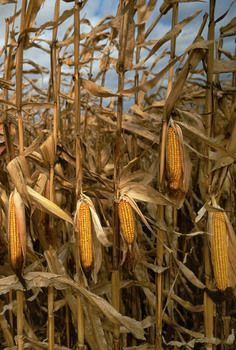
(48,150)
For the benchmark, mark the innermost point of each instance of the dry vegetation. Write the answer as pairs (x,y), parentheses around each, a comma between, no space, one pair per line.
(117,206)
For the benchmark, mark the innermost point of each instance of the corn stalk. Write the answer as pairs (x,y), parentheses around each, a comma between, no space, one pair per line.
(77,7)
(117,169)
(208,303)
(161,209)
(19,90)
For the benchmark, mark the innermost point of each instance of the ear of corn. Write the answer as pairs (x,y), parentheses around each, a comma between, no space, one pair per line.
(16,232)
(84,226)
(127,221)
(174,159)
(219,249)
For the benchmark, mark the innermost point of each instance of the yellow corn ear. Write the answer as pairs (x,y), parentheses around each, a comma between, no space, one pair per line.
(174,159)
(127,221)
(16,250)
(85,235)
(219,249)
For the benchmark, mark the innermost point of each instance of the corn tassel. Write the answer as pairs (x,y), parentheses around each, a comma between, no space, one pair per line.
(219,249)
(85,235)
(127,221)
(174,159)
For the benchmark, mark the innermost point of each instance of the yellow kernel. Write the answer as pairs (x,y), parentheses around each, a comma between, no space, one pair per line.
(174,159)
(127,221)
(85,235)
(219,250)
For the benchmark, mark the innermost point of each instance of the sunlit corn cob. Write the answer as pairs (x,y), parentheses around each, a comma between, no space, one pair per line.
(85,235)
(219,249)
(127,223)
(16,232)
(174,159)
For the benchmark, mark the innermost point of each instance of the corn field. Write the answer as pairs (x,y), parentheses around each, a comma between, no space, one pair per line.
(118,175)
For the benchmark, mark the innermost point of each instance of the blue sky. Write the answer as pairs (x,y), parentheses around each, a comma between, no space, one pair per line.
(96,10)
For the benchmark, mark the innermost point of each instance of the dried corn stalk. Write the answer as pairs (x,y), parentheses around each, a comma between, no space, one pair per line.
(16,233)
(127,221)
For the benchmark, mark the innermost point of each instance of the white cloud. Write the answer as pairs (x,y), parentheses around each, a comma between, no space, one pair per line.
(95,10)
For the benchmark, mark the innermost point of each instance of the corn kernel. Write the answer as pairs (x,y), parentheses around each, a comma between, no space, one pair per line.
(127,221)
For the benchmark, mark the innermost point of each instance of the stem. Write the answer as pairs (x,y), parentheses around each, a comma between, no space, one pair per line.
(10,311)
(56,126)
(77,97)
(160,212)
(208,303)
(20,319)
(9,146)
(159,281)
(50,289)
(174,211)
(19,76)
(5,328)
(172,49)
(117,164)
(50,318)
(98,134)
(19,89)
(51,324)
(67,327)
(116,302)
(87,97)
(80,324)
(79,174)
(140,39)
